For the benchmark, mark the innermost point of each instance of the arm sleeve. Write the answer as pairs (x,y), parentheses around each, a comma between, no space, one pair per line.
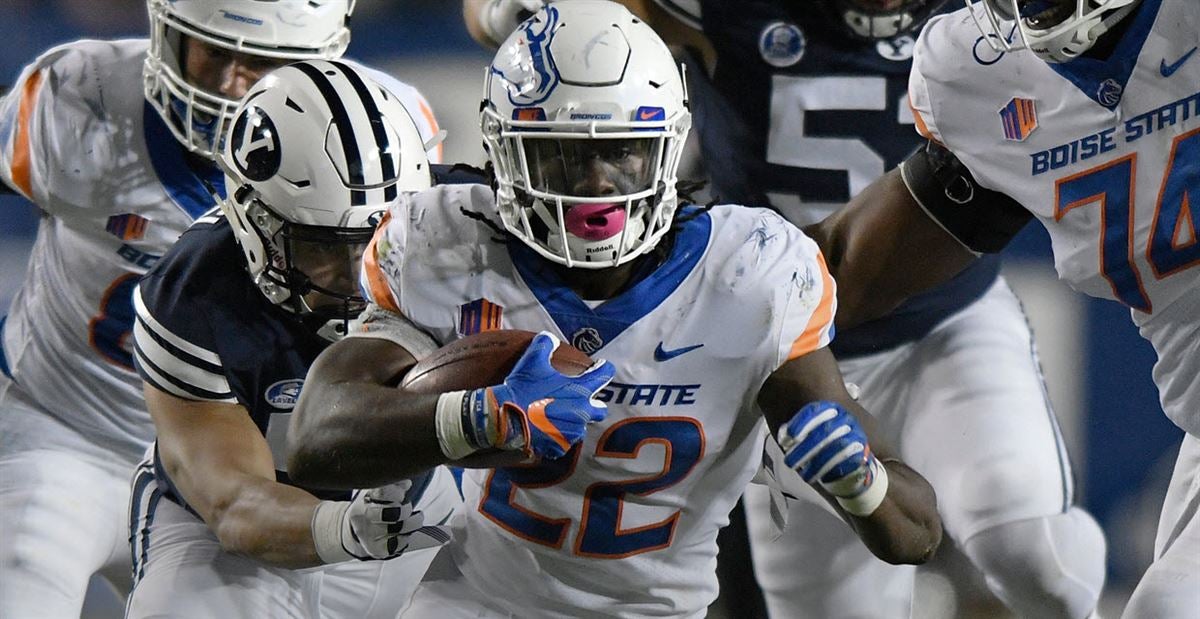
(174,349)
(983,220)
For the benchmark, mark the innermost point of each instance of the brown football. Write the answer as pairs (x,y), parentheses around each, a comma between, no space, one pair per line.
(482,360)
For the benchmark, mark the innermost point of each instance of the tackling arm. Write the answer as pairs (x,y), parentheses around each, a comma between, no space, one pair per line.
(905,526)
(912,229)
(221,464)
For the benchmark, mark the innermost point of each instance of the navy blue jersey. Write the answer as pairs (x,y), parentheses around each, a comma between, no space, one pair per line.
(205,332)
(801,119)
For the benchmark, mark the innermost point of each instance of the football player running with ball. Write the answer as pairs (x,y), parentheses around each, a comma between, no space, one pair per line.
(712,320)
(804,106)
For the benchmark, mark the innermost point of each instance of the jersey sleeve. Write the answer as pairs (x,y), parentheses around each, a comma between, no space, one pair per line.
(381,324)
(174,344)
(774,271)
(418,108)
(66,121)
(920,98)
(807,302)
(26,116)
(380,274)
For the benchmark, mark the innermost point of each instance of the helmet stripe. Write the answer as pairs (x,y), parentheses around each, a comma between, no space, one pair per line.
(341,118)
(380,132)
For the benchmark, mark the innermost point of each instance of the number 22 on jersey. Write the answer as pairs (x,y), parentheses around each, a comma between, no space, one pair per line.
(1174,243)
(600,532)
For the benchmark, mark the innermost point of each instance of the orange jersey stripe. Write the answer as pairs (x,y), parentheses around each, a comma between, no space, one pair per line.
(922,128)
(21,162)
(376,280)
(433,125)
(818,323)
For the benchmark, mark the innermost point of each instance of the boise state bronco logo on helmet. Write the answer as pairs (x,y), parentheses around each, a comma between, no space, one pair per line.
(530,83)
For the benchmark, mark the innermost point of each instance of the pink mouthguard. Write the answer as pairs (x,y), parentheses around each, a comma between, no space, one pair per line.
(595,222)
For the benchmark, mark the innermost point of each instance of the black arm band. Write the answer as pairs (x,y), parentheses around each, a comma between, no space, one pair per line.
(981,219)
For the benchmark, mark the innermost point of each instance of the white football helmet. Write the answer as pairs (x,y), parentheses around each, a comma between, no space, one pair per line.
(316,153)
(286,30)
(1054,30)
(584,118)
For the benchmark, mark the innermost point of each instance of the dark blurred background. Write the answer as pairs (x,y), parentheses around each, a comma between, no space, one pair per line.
(1097,368)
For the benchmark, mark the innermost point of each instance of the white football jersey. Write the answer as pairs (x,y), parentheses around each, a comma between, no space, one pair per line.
(115,191)
(625,524)
(1105,154)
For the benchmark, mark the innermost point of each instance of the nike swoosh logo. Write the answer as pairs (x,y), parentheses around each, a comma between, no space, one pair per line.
(1168,70)
(661,354)
(648,115)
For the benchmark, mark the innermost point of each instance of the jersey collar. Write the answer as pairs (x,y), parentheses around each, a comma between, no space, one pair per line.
(591,329)
(1104,80)
(181,180)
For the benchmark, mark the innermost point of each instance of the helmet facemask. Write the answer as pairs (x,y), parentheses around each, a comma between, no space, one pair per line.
(310,271)
(585,132)
(1055,30)
(875,20)
(582,196)
(196,116)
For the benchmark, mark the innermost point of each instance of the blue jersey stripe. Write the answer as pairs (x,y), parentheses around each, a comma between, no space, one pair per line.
(611,318)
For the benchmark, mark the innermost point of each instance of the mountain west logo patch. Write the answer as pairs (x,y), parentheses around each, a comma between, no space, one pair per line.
(478,316)
(127,227)
(1019,118)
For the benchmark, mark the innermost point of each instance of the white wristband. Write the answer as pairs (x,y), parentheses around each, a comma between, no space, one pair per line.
(327,531)
(865,503)
(451,435)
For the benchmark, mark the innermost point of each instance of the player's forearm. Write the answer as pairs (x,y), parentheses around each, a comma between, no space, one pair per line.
(882,248)
(905,528)
(359,435)
(267,521)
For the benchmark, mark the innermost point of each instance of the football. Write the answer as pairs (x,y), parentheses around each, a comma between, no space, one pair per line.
(482,360)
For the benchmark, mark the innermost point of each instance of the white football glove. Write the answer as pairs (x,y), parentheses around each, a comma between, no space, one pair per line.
(499,18)
(379,523)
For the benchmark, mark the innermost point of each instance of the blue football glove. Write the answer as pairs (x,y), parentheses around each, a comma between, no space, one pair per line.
(539,409)
(827,446)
